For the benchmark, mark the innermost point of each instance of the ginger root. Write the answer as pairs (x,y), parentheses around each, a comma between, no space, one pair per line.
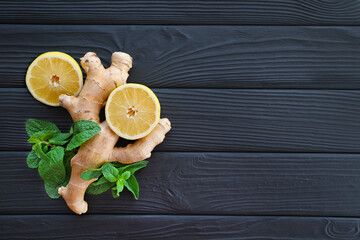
(100,82)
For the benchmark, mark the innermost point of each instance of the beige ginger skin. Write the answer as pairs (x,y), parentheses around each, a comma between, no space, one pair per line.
(100,82)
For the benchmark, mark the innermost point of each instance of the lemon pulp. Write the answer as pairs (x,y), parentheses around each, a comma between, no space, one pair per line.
(52,74)
(132,111)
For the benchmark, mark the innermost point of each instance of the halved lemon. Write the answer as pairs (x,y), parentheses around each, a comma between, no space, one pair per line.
(52,74)
(132,111)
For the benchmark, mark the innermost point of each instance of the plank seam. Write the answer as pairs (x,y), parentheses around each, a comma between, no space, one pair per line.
(217,88)
(219,152)
(178,215)
(180,25)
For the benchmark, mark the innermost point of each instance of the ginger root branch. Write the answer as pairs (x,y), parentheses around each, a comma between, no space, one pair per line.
(100,82)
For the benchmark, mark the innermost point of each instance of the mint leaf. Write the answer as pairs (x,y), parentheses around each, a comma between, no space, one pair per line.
(83,131)
(56,154)
(118,164)
(32,160)
(114,193)
(41,136)
(52,171)
(51,191)
(91,174)
(118,188)
(132,168)
(132,185)
(38,149)
(125,175)
(33,139)
(60,138)
(45,148)
(47,135)
(34,126)
(100,186)
(67,164)
(110,172)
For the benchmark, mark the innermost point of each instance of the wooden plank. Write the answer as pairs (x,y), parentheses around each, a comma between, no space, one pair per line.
(198,56)
(176,227)
(222,120)
(273,12)
(207,183)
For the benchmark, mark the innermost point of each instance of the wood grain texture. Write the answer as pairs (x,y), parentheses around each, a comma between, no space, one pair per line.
(198,56)
(222,120)
(177,227)
(273,12)
(264,163)
(207,183)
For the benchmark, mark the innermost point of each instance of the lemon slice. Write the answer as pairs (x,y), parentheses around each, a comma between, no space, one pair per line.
(52,74)
(132,111)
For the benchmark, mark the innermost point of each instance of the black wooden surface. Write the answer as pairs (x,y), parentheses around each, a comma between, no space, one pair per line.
(199,56)
(178,227)
(248,12)
(290,184)
(223,119)
(264,100)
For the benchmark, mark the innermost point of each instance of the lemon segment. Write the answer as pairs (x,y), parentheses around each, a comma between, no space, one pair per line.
(132,111)
(52,74)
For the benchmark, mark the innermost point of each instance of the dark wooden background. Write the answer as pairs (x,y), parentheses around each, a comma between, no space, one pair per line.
(264,99)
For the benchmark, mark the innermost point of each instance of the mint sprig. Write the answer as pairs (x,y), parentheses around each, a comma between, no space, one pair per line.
(114,176)
(53,150)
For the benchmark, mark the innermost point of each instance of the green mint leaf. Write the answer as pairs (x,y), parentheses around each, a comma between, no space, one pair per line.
(132,168)
(119,186)
(37,135)
(34,139)
(45,148)
(100,186)
(56,154)
(41,136)
(83,131)
(60,138)
(119,165)
(67,164)
(32,160)
(52,192)
(38,149)
(132,185)
(91,174)
(125,175)
(110,172)
(34,126)
(47,135)
(52,171)
(115,193)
